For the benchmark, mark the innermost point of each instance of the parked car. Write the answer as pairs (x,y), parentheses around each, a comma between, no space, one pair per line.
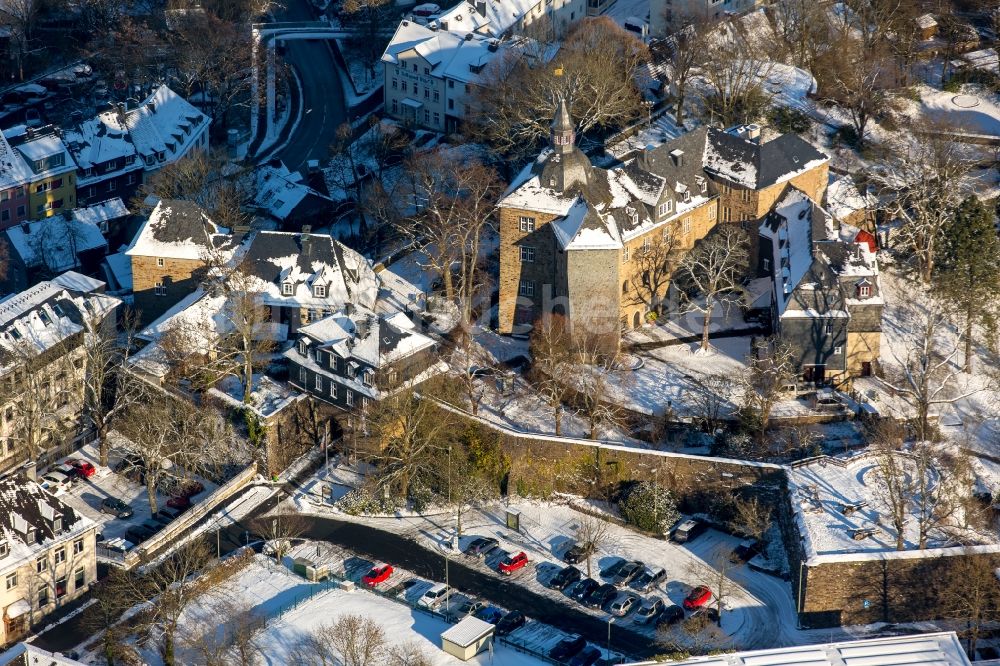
(68,471)
(601,596)
(697,597)
(582,589)
(577,554)
(509,622)
(479,546)
(116,507)
(179,502)
(621,606)
(586,657)
(137,534)
(626,573)
(84,468)
(434,597)
(161,519)
(117,545)
(669,616)
(152,525)
(32,118)
(649,579)
(510,564)
(132,467)
(708,612)
(567,648)
(168,513)
(565,578)
(649,610)
(379,574)
(746,551)
(490,614)
(688,530)
(612,569)
(457,610)
(55,482)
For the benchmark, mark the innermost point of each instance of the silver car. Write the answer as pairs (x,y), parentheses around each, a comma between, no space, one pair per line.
(649,610)
(621,606)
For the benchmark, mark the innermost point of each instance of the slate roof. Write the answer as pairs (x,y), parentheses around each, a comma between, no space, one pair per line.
(181,230)
(14,170)
(758,165)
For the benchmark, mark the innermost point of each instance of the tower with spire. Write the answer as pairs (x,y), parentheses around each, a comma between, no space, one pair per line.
(562,136)
(566,169)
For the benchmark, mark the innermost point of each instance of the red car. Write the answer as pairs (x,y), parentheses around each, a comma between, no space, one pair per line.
(84,469)
(180,502)
(379,574)
(512,563)
(698,597)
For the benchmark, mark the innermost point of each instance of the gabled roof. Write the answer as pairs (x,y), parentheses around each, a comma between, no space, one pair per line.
(375,340)
(14,170)
(180,229)
(56,242)
(758,165)
(163,123)
(92,143)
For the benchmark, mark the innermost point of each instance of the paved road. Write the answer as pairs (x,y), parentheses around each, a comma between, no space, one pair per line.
(324,106)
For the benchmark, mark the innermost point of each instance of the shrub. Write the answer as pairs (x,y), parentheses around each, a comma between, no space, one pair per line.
(363,501)
(649,507)
(786,119)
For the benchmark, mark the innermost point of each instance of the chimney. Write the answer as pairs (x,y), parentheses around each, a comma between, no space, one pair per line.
(31,470)
(444,25)
(306,229)
(151,106)
(469,37)
(644,156)
(677,155)
(753,132)
(481,7)
(30,133)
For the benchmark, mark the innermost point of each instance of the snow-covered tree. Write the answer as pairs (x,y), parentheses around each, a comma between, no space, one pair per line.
(649,507)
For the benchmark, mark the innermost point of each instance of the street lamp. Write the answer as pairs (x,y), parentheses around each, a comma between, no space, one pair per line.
(611,619)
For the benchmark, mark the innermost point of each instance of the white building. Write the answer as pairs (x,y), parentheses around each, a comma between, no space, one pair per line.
(430,70)
(666,16)
(164,127)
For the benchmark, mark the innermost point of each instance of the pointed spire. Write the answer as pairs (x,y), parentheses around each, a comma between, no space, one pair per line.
(562,137)
(562,121)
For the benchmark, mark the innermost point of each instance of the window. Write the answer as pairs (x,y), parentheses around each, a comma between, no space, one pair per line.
(43,596)
(395,84)
(726,214)
(414,67)
(311,315)
(60,554)
(22,210)
(711,213)
(451,104)
(303,347)
(828,327)
(368,378)
(625,287)
(111,186)
(4,215)
(159,289)
(333,389)
(78,546)
(838,350)
(437,118)
(625,253)
(159,262)
(302,376)
(664,208)
(528,255)
(286,289)
(61,587)
(4,546)
(12,581)
(350,398)
(402,86)
(745,195)
(451,83)
(527,223)
(79,578)
(686,225)
(437,96)
(645,245)
(427,93)
(767,264)
(319,291)
(427,71)
(427,116)
(864,291)
(395,106)
(41,564)
(364,403)
(526,288)
(318,383)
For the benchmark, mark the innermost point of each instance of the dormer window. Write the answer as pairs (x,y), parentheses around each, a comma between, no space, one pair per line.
(44,317)
(303,347)
(368,378)
(319,290)
(864,290)
(286,288)
(665,208)
(4,549)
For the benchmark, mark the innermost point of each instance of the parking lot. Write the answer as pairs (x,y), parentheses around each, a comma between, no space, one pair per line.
(87,494)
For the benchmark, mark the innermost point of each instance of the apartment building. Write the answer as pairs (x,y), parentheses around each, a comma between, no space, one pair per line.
(47,556)
(51,171)
(107,161)
(15,181)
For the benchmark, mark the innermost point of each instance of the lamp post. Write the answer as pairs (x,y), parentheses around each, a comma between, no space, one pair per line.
(610,620)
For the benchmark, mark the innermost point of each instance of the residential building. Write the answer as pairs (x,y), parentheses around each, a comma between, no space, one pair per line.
(45,248)
(42,364)
(590,242)
(52,186)
(501,18)
(26,654)
(431,72)
(48,558)
(15,180)
(353,357)
(284,196)
(667,16)
(163,128)
(305,277)
(826,298)
(170,254)
(107,162)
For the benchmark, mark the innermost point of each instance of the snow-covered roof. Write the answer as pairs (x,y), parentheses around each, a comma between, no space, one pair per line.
(468,631)
(844,199)
(758,165)
(93,143)
(584,228)
(926,21)
(937,649)
(101,213)
(55,243)
(279,190)
(120,266)
(789,227)
(179,229)
(45,147)
(26,654)
(498,17)
(163,124)
(375,340)
(304,262)
(14,170)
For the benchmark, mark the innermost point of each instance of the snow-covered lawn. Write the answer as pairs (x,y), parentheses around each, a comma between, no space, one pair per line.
(966,111)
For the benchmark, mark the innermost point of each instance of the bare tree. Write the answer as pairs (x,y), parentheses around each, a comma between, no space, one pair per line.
(927,172)
(753,516)
(770,367)
(407,654)
(350,640)
(736,76)
(592,381)
(716,576)
(279,530)
(895,485)
(552,371)
(653,265)
(936,497)
(595,74)
(20,17)
(710,270)
(709,397)
(591,534)
(684,52)
(928,375)
(972,595)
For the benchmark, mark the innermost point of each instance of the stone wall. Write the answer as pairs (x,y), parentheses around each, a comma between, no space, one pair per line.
(179,277)
(542,271)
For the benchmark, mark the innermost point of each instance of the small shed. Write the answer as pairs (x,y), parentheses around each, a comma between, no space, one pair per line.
(467,638)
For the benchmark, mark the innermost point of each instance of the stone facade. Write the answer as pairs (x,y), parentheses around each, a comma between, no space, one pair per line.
(520,228)
(161,282)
